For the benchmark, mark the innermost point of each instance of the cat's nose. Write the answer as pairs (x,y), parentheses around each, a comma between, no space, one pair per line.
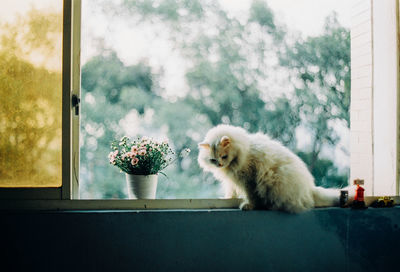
(219,164)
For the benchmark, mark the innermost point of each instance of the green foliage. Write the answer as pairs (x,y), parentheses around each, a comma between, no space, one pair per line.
(109,73)
(281,120)
(322,64)
(261,13)
(324,171)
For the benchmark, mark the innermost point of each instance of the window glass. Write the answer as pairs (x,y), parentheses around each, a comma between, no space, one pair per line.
(172,69)
(30,91)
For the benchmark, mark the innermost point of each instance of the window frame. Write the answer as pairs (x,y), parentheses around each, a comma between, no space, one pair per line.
(66,197)
(71,182)
(70,124)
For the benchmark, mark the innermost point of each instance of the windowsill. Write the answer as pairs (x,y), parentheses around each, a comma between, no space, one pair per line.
(329,239)
(120,204)
(127,204)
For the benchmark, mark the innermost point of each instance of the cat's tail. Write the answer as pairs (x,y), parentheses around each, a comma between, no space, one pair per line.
(327,197)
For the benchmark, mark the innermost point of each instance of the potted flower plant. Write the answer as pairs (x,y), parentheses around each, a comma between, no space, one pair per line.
(141,160)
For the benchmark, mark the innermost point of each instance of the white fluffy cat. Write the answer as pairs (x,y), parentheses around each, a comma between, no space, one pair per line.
(264,172)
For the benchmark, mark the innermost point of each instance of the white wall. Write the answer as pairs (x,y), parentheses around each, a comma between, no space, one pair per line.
(385,96)
(361,151)
(374,95)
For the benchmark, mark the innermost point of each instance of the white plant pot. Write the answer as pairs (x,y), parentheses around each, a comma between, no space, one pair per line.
(141,186)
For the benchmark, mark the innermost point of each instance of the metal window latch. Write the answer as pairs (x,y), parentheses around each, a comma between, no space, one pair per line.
(75,103)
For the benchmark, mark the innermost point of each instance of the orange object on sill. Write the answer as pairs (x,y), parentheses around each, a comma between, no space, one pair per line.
(358,202)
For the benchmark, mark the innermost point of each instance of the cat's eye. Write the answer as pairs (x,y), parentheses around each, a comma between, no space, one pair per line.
(224,157)
(213,160)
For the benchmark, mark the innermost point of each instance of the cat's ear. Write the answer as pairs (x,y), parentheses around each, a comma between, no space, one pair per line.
(204,145)
(225,141)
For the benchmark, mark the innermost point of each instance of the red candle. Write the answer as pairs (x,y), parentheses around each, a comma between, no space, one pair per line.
(359,196)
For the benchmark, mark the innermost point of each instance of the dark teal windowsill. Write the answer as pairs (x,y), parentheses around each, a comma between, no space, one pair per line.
(330,239)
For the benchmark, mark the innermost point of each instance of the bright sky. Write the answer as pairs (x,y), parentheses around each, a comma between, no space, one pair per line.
(9,8)
(307,16)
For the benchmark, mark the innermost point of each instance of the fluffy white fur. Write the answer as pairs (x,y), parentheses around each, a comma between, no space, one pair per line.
(264,172)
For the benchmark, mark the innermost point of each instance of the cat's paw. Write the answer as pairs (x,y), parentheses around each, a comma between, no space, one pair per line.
(246,206)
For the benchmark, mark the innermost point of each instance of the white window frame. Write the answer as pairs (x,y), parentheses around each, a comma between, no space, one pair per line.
(75,90)
(67,196)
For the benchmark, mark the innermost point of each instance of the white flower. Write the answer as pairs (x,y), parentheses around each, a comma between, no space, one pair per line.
(142,151)
(134,150)
(134,161)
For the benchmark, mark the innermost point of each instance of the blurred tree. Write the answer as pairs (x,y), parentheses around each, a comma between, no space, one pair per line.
(228,65)
(108,73)
(229,61)
(321,66)
(30,108)
(35,37)
(326,174)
